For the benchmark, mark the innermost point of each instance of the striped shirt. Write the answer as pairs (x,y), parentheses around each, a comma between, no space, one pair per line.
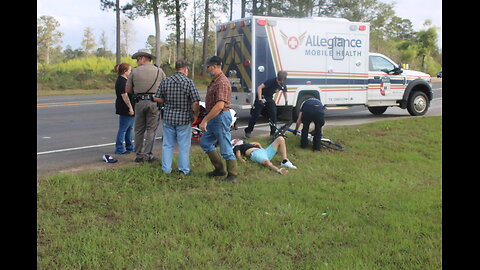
(179,92)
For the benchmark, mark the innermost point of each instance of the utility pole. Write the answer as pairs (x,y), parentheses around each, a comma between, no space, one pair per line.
(117,11)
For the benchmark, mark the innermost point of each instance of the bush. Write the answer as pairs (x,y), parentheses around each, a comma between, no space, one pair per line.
(79,73)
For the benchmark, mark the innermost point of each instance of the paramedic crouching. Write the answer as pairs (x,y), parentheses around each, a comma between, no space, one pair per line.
(264,97)
(311,110)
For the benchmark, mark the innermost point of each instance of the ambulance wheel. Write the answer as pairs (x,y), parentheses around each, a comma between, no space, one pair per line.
(377,110)
(418,103)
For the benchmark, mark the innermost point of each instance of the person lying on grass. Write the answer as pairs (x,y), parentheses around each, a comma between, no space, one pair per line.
(257,153)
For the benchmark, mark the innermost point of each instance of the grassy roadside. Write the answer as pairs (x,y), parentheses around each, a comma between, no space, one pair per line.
(375,206)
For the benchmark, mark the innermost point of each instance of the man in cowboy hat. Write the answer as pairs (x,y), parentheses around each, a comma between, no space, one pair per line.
(143,83)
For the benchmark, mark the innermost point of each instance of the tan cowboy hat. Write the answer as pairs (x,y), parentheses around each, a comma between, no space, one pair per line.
(143,52)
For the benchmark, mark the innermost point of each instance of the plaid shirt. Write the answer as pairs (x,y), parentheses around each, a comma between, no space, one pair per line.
(219,89)
(179,92)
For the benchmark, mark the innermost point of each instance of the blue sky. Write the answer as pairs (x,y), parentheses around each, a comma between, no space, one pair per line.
(74,16)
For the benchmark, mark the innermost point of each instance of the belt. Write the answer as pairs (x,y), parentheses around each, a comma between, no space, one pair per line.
(144,96)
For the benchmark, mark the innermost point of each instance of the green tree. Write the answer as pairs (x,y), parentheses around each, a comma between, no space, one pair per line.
(47,36)
(399,29)
(88,42)
(106,5)
(174,10)
(144,8)
(427,42)
(103,43)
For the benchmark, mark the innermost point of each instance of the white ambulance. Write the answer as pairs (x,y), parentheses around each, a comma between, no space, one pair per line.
(326,58)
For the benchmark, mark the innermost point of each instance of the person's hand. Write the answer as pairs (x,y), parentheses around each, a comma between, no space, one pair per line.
(242,160)
(203,126)
(263,100)
(286,102)
(295,132)
(131,112)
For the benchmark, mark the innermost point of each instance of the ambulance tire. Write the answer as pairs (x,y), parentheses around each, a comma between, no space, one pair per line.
(377,110)
(418,103)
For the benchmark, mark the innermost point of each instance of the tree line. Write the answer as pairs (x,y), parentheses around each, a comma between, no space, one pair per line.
(390,34)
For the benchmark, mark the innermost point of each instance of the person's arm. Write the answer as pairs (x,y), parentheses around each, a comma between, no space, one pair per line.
(158,95)
(159,100)
(127,102)
(195,98)
(256,143)
(239,156)
(128,89)
(297,124)
(196,110)
(129,85)
(217,108)
(284,92)
(259,91)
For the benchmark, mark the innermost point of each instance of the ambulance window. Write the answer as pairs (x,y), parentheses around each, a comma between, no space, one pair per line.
(378,63)
(228,53)
(237,48)
(232,52)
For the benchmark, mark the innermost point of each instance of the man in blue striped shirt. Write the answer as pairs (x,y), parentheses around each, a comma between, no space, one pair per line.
(181,107)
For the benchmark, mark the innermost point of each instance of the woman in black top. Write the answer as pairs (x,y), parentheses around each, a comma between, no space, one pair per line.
(124,108)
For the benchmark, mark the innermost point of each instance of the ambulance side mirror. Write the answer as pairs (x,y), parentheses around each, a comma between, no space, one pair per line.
(397,70)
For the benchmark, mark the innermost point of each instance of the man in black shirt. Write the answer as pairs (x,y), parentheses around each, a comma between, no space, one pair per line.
(264,97)
(311,110)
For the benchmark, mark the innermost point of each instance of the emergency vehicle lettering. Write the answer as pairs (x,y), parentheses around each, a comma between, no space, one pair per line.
(315,40)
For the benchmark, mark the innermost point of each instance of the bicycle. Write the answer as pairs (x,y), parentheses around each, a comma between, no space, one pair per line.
(324,142)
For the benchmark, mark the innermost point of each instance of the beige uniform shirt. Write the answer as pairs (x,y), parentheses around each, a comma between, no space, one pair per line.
(142,78)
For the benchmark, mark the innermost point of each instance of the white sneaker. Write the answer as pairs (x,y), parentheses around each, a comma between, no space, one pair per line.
(288,164)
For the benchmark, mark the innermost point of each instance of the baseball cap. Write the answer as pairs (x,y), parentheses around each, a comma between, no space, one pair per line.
(213,60)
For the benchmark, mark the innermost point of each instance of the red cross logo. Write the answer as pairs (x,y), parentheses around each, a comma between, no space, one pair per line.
(293,43)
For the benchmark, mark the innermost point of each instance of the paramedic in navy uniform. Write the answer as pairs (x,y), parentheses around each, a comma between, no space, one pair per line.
(311,110)
(264,97)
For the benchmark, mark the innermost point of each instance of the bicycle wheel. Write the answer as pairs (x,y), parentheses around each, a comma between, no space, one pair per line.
(331,145)
(281,131)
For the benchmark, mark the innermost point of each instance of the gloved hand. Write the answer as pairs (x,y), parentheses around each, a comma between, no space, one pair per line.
(263,100)
(286,102)
(295,132)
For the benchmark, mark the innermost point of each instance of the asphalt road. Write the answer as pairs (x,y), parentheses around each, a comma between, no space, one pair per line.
(73,132)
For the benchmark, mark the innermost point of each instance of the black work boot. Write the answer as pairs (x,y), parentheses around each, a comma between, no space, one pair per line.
(217,163)
(232,171)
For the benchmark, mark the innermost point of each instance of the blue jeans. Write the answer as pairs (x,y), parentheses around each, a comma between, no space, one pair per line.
(182,136)
(218,129)
(125,127)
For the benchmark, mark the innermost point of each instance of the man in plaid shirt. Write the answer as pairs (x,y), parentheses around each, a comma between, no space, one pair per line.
(181,108)
(219,119)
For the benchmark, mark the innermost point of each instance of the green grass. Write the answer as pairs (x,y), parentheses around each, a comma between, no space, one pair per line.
(377,205)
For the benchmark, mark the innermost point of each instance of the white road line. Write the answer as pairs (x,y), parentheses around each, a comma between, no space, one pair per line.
(108,144)
(75,148)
